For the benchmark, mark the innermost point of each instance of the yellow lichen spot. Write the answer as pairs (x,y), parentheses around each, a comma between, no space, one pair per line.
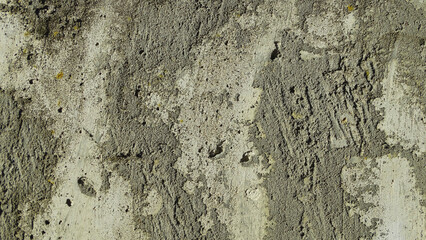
(297,115)
(344,120)
(52,132)
(25,50)
(218,35)
(159,105)
(181,121)
(51,181)
(26,34)
(350,8)
(55,34)
(59,103)
(367,73)
(75,28)
(129,19)
(160,75)
(60,75)
(238,15)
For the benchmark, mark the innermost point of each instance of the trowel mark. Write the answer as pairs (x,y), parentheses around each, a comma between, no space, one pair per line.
(395,203)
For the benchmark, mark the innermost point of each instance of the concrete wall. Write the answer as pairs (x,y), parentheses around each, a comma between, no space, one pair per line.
(196,119)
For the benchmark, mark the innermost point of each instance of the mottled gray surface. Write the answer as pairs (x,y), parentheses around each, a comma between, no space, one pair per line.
(147,120)
(27,153)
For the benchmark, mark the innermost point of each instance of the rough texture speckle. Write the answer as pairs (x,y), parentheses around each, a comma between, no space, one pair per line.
(254,119)
(28,159)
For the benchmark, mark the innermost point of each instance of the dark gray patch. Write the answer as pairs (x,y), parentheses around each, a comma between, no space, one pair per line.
(42,18)
(86,186)
(27,160)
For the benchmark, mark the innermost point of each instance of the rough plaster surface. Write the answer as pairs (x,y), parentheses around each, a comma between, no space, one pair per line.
(254,119)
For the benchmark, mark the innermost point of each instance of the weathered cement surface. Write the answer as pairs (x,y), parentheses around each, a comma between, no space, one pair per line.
(257,119)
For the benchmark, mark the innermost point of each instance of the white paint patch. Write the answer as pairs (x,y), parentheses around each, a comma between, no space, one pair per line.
(306,56)
(350,26)
(403,120)
(323,30)
(396,202)
(154,202)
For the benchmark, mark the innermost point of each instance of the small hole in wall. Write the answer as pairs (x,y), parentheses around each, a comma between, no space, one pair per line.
(96,44)
(47,222)
(137,91)
(291,90)
(59,110)
(80,181)
(31,81)
(68,202)
(31,236)
(245,158)
(275,53)
(43,232)
(217,151)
